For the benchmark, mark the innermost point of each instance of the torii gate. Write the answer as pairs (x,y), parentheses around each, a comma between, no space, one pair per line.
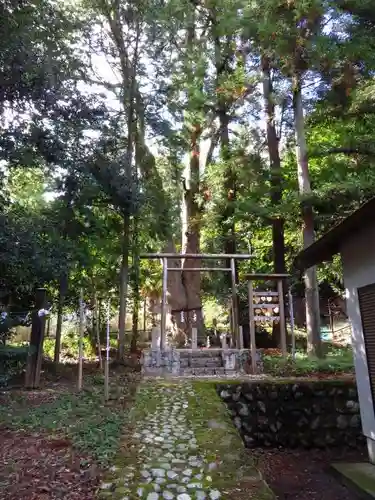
(232,269)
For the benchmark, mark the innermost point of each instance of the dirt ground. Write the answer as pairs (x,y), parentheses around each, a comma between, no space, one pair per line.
(35,467)
(40,463)
(304,474)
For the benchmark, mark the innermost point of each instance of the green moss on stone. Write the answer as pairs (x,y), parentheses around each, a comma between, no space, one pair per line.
(220,442)
(361,476)
(216,436)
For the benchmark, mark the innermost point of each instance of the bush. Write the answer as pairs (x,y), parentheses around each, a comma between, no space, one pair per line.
(338,360)
(12,362)
(69,347)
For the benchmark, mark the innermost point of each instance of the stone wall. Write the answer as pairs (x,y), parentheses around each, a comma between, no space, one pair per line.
(302,414)
(160,361)
(172,361)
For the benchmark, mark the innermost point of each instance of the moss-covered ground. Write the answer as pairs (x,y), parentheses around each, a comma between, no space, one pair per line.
(232,470)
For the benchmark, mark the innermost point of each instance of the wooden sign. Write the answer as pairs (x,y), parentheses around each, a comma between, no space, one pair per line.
(266,306)
(266,318)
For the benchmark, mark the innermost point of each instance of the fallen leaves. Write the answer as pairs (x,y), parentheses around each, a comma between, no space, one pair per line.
(54,440)
(34,468)
(303,474)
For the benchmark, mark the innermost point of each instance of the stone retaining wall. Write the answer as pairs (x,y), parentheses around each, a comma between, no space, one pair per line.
(307,414)
(171,361)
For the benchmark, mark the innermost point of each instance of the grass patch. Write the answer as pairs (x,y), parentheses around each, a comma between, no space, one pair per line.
(92,426)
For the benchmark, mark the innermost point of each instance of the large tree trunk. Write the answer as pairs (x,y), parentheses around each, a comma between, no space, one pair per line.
(222,58)
(278,243)
(128,65)
(135,287)
(123,292)
(67,216)
(311,282)
(222,63)
(191,213)
(191,280)
(176,297)
(192,284)
(60,309)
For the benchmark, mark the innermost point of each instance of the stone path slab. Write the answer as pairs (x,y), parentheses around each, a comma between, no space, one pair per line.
(181,445)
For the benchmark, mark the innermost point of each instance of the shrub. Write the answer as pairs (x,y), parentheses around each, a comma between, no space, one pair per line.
(69,347)
(12,362)
(338,360)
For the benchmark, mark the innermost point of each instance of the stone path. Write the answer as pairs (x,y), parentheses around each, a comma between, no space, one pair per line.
(170,463)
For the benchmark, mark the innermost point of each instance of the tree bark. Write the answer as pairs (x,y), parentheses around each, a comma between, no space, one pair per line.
(128,68)
(124,279)
(35,356)
(191,240)
(60,310)
(191,213)
(223,55)
(96,328)
(135,321)
(176,296)
(67,216)
(314,346)
(136,296)
(278,242)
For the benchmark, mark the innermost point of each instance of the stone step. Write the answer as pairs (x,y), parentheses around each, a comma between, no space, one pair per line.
(201,362)
(206,362)
(202,371)
(204,353)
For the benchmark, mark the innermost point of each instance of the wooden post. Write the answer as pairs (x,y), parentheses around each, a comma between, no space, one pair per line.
(144,318)
(106,366)
(234,303)
(163,304)
(252,328)
(291,316)
(194,338)
(35,356)
(280,290)
(240,331)
(330,313)
(97,330)
(223,341)
(81,331)
(48,333)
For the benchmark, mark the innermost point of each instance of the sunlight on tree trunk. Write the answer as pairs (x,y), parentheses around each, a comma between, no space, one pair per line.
(311,282)
(278,244)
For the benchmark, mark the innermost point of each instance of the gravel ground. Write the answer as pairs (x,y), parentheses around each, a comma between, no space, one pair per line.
(304,474)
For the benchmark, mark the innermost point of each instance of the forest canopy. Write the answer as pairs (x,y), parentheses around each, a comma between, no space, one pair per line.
(194,126)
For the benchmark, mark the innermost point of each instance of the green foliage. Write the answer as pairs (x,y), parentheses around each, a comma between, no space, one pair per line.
(191,64)
(30,70)
(12,362)
(28,252)
(337,361)
(69,347)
